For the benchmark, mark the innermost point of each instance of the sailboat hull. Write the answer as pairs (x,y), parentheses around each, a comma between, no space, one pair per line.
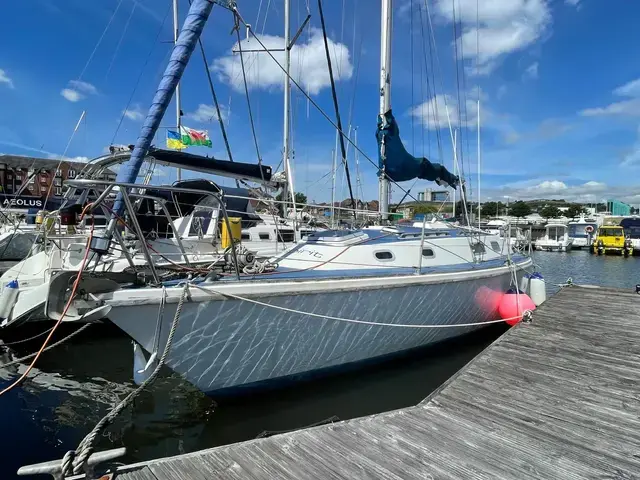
(223,345)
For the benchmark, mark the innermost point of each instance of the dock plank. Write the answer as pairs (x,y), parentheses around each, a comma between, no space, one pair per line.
(557,398)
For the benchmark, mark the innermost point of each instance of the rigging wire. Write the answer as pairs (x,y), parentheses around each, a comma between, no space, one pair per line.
(216,104)
(413,137)
(464,99)
(313,102)
(95,49)
(335,104)
(431,90)
(451,130)
(124,32)
(246,92)
(144,66)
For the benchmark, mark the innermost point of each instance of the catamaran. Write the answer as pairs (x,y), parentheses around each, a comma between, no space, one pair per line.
(335,299)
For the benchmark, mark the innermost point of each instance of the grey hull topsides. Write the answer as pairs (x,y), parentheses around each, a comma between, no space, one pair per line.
(223,344)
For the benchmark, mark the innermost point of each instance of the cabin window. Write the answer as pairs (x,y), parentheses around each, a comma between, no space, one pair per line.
(428,253)
(246,236)
(384,255)
(495,245)
(286,236)
(263,236)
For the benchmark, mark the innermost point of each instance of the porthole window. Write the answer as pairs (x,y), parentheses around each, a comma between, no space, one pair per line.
(246,236)
(428,253)
(495,245)
(384,255)
(264,236)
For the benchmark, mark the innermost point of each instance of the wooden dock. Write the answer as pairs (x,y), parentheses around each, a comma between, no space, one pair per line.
(556,398)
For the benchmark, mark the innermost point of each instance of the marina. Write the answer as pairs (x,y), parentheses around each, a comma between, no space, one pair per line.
(551,398)
(232,281)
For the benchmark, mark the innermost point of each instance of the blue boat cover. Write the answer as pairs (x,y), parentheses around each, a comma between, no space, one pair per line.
(399,165)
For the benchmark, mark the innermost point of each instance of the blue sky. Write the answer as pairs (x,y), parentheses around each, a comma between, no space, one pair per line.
(558,85)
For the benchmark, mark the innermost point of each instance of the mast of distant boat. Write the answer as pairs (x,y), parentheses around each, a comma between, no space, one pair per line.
(385,96)
(175,40)
(287,99)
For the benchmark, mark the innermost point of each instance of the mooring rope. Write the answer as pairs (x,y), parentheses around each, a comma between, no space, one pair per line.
(351,320)
(53,345)
(74,461)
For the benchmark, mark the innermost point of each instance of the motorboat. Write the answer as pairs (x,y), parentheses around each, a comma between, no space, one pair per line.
(556,238)
(582,232)
(631,226)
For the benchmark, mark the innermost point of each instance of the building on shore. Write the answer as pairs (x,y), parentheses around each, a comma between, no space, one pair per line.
(26,182)
(618,209)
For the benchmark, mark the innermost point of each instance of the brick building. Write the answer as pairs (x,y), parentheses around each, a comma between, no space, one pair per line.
(39,174)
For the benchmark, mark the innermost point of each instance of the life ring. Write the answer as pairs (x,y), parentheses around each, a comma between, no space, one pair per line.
(588,229)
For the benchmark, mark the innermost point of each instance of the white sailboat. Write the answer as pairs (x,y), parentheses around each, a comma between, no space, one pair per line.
(335,299)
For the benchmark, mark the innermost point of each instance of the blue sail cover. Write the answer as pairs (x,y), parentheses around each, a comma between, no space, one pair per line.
(187,40)
(399,165)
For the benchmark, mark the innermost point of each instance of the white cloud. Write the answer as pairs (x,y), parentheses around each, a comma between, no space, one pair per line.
(625,108)
(83,87)
(207,113)
(308,64)
(433,113)
(78,90)
(4,78)
(134,113)
(556,189)
(573,3)
(628,107)
(80,159)
(71,95)
(532,71)
(630,89)
(504,27)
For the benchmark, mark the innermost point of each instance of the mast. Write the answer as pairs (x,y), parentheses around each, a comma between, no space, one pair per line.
(287,98)
(175,40)
(479,208)
(455,162)
(334,167)
(386,23)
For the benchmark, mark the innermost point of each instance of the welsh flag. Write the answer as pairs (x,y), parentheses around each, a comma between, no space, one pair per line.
(195,137)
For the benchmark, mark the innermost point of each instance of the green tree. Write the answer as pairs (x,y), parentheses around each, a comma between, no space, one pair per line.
(550,211)
(301,199)
(575,210)
(490,209)
(421,208)
(519,209)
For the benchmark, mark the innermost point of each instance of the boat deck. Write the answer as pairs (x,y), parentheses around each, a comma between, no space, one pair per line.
(556,398)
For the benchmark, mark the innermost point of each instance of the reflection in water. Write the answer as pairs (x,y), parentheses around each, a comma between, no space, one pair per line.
(76,384)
